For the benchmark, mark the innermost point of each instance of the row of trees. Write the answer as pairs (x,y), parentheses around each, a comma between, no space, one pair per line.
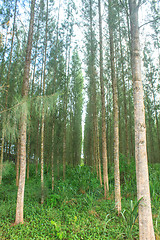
(42,84)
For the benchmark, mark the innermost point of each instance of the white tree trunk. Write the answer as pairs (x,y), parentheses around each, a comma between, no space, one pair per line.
(146,231)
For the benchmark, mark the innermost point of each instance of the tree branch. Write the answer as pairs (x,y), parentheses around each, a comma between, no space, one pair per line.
(149,22)
(125,8)
(23,101)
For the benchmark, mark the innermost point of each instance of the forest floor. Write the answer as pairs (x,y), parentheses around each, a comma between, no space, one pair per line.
(76,208)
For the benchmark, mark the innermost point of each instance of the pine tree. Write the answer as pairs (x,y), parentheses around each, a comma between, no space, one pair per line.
(146,230)
(115,109)
(104,147)
(20,194)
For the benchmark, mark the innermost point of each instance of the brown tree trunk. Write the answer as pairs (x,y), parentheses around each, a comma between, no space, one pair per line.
(18,156)
(37,148)
(42,157)
(52,156)
(28,152)
(146,230)
(98,156)
(1,160)
(115,111)
(68,48)
(131,146)
(124,96)
(104,144)
(42,128)
(29,125)
(64,138)
(21,186)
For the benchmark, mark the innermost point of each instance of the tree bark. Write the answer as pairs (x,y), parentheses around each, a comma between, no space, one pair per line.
(146,230)
(104,144)
(18,156)
(67,69)
(115,111)
(37,148)
(42,129)
(124,95)
(52,155)
(20,194)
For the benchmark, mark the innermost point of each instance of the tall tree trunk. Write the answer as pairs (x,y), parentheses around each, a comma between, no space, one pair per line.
(20,194)
(104,144)
(146,230)
(1,160)
(64,135)
(18,156)
(37,148)
(29,125)
(67,68)
(52,155)
(42,129)
(28,150)
(42,157)
(115,111)
(124,94)
(54,90)
(131,152)
(98,156)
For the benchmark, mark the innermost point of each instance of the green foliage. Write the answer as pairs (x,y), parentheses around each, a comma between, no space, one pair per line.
(54,200)
(58,230)
(128,176)
(130,216)
(9,173)
(75,209)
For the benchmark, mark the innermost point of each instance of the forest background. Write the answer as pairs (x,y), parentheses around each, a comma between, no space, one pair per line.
(79,89)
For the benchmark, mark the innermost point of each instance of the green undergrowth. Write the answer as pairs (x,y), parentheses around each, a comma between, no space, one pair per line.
(76,208)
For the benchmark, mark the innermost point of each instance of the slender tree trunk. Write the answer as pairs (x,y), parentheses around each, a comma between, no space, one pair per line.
(20,194)
(42,157)
(104,145)
(28,152)
(17,164)
(1,161)
(18,156)
(42,129)
(115,111)
(98,156)
(66,104)
(58,174)
(124,95)
(29,126)
(64,138)
(131,152)
(37,148)
(52,156)
(146,230)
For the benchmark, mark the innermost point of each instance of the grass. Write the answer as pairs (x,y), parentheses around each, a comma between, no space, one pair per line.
(76,208)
